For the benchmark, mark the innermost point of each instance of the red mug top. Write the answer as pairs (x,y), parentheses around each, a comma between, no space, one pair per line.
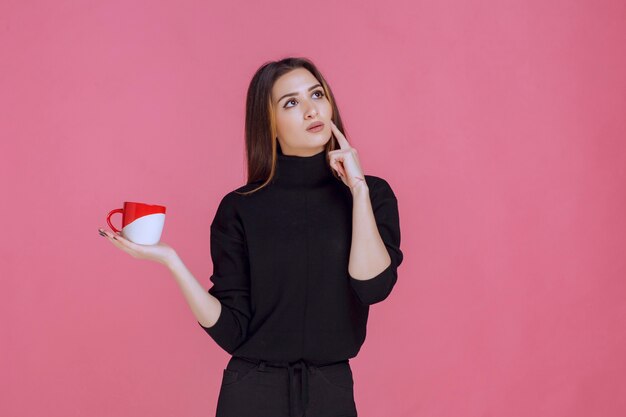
(148,208)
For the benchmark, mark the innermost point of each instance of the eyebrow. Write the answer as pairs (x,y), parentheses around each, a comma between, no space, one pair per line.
(295,94)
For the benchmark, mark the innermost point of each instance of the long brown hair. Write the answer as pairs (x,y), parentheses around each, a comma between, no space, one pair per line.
(260,127)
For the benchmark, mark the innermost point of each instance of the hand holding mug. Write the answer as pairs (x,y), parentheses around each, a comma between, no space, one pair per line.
(142,225)
(160,252)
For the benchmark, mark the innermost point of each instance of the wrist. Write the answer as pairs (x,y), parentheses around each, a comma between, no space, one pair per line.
(360,189)
(171,260)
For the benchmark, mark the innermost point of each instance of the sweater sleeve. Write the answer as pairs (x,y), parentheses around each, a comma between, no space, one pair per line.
(385,208)
(230,278)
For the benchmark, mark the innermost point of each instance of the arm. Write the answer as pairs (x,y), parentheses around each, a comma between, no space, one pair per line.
(375,252)
(230,278)
(204,306)
(368,254)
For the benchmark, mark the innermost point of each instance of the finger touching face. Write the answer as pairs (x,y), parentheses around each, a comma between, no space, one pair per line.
(341,139)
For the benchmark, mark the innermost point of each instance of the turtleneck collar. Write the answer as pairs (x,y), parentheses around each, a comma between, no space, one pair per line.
(305,171)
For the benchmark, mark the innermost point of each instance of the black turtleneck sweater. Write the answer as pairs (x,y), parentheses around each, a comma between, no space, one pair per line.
(280,265)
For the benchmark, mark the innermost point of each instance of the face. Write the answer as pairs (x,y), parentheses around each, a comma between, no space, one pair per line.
(299,100)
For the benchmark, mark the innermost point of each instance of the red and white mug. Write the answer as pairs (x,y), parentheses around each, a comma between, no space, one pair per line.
(141,223)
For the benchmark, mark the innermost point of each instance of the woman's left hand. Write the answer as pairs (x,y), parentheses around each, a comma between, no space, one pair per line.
(346,161)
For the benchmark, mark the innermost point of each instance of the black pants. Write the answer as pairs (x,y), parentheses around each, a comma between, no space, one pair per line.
(253,388)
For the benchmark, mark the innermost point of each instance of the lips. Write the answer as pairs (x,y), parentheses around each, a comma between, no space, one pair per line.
(314,125)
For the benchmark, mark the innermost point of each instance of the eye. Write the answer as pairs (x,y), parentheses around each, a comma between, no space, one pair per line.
(320,92)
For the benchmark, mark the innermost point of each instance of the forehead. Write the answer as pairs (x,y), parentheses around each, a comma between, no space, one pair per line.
(297,80)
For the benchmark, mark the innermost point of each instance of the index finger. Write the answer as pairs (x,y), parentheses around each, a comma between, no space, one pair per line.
(341,139)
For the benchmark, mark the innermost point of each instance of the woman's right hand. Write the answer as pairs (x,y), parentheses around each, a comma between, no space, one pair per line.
(160,252)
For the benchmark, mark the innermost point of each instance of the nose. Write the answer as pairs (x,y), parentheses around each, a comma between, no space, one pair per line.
(311,111)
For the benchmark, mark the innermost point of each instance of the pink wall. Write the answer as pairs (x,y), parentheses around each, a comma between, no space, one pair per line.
(500,125)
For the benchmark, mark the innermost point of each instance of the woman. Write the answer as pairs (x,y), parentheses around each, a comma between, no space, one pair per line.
(299,254)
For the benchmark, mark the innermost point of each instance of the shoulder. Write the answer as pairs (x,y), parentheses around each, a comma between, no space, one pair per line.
(379,188)
(228,217)
(232,200)
(228,206)
(247,188)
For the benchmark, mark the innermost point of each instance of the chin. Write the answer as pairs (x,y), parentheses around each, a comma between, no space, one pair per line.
(322,142)
(325,138)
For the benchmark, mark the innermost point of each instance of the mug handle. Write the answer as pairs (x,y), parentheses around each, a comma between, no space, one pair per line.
(112,212)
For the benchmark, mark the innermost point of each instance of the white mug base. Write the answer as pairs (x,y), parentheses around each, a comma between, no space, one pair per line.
(145,230)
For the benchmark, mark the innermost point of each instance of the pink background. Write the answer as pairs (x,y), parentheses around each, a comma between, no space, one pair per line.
(500,125)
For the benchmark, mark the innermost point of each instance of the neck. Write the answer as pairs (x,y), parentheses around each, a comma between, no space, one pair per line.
(303,171)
